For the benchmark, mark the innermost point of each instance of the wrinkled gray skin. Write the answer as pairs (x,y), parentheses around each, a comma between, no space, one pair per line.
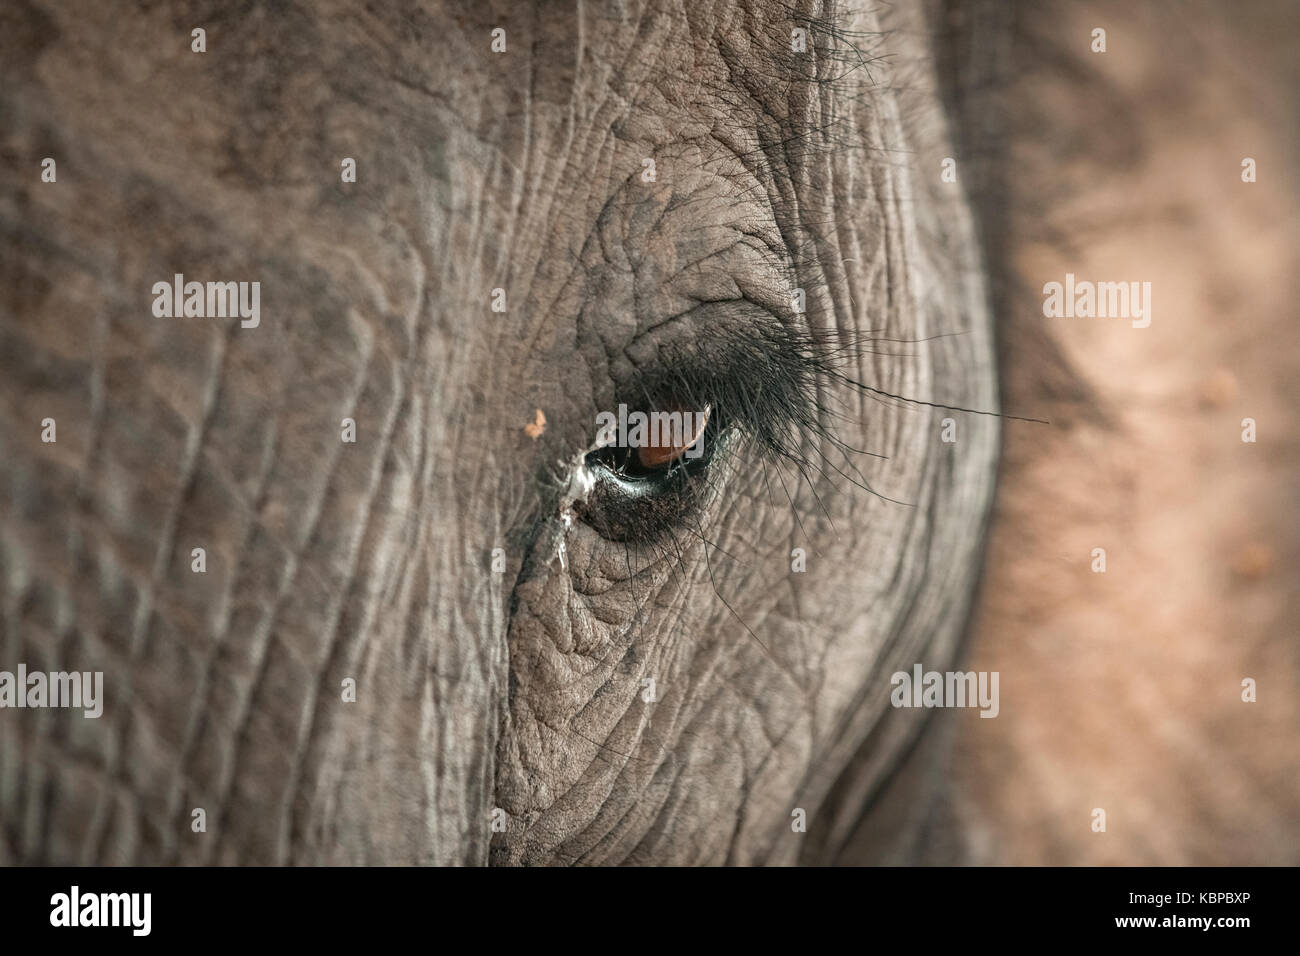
(475,690)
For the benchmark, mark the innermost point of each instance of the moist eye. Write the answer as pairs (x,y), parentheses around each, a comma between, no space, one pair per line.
(632,500)
(680,443)
(677,444)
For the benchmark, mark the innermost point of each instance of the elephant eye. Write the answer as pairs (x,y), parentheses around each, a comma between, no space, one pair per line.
(760,385)
(650,474)
(657,443)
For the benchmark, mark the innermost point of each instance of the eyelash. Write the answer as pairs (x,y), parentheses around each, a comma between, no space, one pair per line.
(767,382)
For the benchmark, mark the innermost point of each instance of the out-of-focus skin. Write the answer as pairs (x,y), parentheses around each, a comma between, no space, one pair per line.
(1122,691)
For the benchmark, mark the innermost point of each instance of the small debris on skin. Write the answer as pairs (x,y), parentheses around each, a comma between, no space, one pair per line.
(534,429)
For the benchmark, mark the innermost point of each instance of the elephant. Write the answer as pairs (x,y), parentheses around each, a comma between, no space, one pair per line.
(362,586)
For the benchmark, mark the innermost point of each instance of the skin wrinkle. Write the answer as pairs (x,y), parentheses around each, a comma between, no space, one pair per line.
(197,713)
(319,511)
(661,754)
(101,812)
(293,799)
(99,824)
(296,563)
(892,640)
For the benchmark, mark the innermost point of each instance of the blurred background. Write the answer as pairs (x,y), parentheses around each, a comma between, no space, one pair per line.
(1123,690)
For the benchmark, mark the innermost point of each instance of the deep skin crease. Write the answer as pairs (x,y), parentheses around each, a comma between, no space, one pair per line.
(521,691)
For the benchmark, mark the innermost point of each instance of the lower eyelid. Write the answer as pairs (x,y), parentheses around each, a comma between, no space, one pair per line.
(625,509)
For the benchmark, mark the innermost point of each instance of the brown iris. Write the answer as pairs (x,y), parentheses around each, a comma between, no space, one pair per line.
(672,446)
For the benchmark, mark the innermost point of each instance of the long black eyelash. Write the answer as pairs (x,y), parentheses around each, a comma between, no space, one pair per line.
(765,386)
(763,377)
(773,387)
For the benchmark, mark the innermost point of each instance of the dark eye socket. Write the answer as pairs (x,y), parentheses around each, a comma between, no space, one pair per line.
(642,493)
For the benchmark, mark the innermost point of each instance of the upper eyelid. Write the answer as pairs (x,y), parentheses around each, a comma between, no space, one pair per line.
(702,321)
(760,273)
(719,361)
